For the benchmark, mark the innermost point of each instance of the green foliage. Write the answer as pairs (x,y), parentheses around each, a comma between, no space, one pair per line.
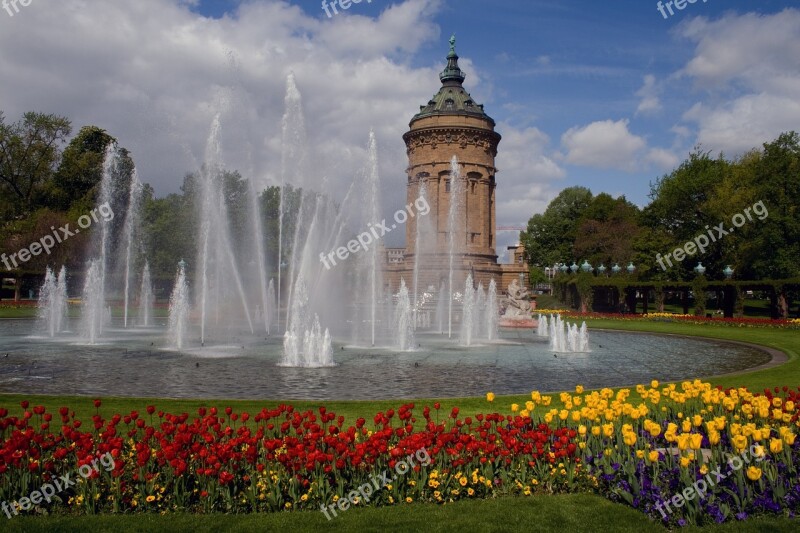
(550,237)
(29,153)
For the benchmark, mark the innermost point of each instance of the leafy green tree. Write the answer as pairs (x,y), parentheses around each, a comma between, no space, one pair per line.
(550,236)
(81,169)
(29,153)
(607,230)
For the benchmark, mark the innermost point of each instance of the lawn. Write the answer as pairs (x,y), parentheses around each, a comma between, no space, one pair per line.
(579,512)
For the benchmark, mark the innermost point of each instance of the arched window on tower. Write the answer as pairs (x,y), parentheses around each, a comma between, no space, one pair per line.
(449,105)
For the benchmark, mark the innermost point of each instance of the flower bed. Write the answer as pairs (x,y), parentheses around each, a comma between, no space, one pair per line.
(783,323)
(638,447)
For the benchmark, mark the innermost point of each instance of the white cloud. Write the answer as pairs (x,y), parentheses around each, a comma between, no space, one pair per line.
(153,74)
(751,84)
(650,102)
(603,144)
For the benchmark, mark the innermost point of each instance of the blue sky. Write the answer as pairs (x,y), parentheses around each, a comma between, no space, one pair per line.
(608,95)
(557,65)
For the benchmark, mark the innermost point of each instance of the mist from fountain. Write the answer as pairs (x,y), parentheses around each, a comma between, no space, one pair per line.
(52,304)
(146,298)
(453,237)
(179,309)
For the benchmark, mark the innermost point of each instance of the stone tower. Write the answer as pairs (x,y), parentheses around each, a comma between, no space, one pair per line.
(453,124)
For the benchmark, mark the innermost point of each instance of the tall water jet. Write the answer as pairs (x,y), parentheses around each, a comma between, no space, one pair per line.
(146,298)
(293,141)
(374,273)
(467,312)
(271,310)
(93,315)
(453,239)
(179,309)
(479,313)
(132,221)
(403,320)
(492,311)
(441,306)
(52,305)
(216,257)
(423,232)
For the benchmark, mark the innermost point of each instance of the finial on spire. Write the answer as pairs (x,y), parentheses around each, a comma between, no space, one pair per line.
(453,43)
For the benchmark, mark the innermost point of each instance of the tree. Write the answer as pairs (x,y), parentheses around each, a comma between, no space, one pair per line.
(81,168)
(550,236)
(29,153)
(606,231)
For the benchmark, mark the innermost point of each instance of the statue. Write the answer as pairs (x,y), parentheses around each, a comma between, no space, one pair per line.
(518,307)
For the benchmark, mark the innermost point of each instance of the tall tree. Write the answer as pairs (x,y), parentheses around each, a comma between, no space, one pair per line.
(550,236)
(29,153)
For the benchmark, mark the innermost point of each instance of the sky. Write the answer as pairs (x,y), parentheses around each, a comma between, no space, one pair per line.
(607,95)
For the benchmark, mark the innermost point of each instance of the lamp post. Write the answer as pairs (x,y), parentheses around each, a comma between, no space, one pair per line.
(574,267)
(586,267)
(616,269)
(630,268)
(563,268)
(601,269)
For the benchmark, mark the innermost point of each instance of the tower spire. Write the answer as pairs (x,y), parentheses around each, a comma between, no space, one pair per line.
(452,74)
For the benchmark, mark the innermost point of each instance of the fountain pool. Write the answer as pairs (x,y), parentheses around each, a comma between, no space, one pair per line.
(245,366)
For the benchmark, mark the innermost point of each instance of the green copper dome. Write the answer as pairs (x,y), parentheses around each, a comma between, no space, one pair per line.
(452,99)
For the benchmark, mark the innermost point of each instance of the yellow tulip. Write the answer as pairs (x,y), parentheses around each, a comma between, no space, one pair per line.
(489,396)
(696,441)
(629,439)
(608,430)
(753,473)
(653,456)
(596,431)
(685,462)
(514,407)
(579,389)
(654,384)
(788,438)
(775,445)
(739,442)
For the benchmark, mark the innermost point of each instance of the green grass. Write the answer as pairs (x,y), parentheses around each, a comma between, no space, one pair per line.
(572,512)
(576,512)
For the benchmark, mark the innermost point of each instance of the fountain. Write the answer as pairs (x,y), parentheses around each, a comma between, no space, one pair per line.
(403,320)
(132,220)
(93,314)
(304,343)
(52,306)
(146,298)
(271,307)
(179,309)
(542,326)
(492,312)
(216,257)
(468,312)
(566,337)
(453,239)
